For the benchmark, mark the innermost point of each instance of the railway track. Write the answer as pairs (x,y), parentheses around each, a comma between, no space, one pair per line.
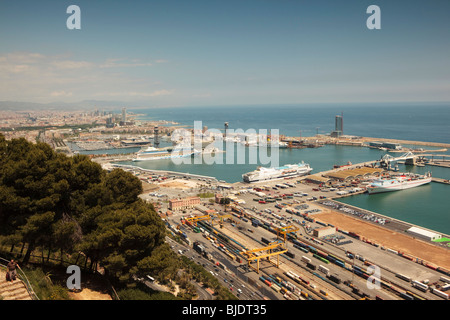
(334,291)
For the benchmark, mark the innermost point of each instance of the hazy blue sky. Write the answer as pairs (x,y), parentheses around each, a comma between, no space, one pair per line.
(176,53)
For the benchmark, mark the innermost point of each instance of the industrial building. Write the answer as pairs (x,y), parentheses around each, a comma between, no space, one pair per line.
(322,232)
(185,203)
(424,234)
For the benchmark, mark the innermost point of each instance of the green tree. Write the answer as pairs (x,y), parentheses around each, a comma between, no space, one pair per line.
(70,204)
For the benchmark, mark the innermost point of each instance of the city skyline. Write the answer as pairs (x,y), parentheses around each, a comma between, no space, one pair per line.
(173,53)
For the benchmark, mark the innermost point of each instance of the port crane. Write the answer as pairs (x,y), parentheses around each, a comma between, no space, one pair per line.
(408,155)
(224,216)
(284,231)
(195,219)
(272,249)
(387,158)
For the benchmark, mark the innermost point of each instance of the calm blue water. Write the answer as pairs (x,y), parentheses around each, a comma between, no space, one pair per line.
(397,121)
(426,206)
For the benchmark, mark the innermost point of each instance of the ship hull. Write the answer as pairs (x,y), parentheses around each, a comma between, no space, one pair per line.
(398,186)
(144,157)
(260,177)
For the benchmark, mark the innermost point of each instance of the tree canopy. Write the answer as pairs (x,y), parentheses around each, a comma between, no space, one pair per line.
(71,204)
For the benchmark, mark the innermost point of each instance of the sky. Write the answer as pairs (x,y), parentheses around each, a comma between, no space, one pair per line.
(195,53)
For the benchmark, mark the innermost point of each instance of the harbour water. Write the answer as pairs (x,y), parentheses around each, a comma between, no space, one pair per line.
(417,122)
(426,206)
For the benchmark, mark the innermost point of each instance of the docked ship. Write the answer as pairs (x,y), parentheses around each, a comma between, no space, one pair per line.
(152,153)
(287,171)
(135,142)
(396,183)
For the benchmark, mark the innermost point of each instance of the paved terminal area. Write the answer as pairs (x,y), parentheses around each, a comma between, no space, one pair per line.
(321,205)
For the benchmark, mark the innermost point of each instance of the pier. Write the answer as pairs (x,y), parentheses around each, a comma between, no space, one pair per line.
(445,181)
(110,166)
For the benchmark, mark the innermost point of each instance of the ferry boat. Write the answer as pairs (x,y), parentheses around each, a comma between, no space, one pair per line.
(152,153)
(286,171)
(396,183)
(136,142)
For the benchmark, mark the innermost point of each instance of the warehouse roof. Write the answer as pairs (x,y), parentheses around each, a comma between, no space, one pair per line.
(424,233)
(354,173)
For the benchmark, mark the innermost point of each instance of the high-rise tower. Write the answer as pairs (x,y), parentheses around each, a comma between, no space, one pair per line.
(156,137)
(124,114)
(338,126)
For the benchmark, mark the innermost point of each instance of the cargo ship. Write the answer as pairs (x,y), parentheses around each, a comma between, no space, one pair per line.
(402,182)
(286,171)
(152,153)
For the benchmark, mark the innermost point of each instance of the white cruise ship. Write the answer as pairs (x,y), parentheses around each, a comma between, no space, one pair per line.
(396,183)
(287,171)
(152,153)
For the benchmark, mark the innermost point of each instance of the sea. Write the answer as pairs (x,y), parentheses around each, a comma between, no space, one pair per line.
(427,206)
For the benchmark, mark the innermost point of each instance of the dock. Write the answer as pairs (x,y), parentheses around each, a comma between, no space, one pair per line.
(444,164)
(445,181)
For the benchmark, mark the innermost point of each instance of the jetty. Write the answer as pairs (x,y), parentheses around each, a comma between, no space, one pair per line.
(440,180)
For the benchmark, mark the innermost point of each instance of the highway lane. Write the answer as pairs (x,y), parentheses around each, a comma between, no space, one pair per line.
(228,278)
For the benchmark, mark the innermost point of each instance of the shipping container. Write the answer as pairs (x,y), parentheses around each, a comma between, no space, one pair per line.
(311,266)
(419,285)
(445,287)
(406,296)
(324,270)
(444,279)
(320,258)
(415,296)
(275,287)
(306,259)
(301,248)
(290,254)
(335,279)
(444,271)
(441,294)
(403,277)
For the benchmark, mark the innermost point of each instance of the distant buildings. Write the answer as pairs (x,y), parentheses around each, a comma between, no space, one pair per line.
(110,121)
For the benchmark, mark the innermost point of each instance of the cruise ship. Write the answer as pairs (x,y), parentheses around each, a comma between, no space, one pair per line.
(287,171)
(396,183)
(135,142)
(152,153)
